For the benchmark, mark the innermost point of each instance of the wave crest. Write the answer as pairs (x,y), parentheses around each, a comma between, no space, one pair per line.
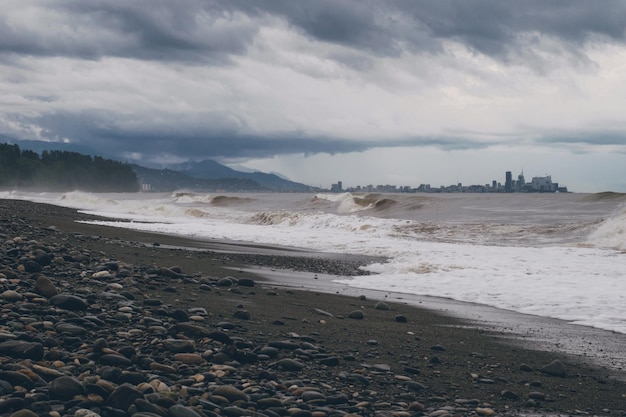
(611,233)
(348,203)
(213,200)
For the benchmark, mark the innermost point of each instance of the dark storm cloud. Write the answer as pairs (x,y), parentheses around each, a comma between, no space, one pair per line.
(185,30)
(204,136)
(211,31)
(491,27)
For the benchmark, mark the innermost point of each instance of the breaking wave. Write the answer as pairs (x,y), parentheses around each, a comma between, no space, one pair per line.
(611,233)
(214,200)
(605,196)
(347,203)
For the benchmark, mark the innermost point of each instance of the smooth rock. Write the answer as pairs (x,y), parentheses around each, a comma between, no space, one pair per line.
(193,330)
(401,319)
(242,315)
(381,305)
(69,328)
(22,350)
(246,282)
(83,412)
(24,413)
(15,378)
(555,368)
(182,411)
(65,388)
(69,302)
(11,295)
(231,393)
(189,358)
(356,314)
(290,364)
(115,360)
(179,345)
(45,287)
(123,397)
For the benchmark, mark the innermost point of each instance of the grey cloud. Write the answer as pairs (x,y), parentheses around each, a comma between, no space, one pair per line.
(208,136)
(200,137)
(490,27)
(211,31)
(594,138)
(186,30)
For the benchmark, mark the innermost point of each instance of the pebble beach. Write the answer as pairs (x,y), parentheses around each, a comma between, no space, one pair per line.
(99,321)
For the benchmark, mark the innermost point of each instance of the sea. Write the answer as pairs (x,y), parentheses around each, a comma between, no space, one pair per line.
(556,255)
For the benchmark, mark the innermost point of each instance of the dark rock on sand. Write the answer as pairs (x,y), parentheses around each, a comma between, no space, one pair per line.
(123,397)
(242,315)
(400,318)
(356,314)
(381,305)
(22,349)
(45,287)
(65,388)
(555,368)
(69,302)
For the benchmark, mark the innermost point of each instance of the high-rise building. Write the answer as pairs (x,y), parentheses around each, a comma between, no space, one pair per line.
(508,184)
(337,188)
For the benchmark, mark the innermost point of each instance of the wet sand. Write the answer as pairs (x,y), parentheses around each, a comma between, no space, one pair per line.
(596,347)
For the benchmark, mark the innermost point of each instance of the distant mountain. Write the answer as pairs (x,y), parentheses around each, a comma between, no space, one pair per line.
(207,174)
(165,180)
(209,169)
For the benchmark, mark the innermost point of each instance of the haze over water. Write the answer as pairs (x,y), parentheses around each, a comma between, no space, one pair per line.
(552,255)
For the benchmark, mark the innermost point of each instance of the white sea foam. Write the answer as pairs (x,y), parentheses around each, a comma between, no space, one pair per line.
(551,255)
(611,233)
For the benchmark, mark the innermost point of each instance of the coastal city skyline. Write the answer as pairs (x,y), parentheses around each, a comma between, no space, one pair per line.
(538,184)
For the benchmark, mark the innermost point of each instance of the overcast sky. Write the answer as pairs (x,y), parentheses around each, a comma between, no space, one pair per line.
(367,92)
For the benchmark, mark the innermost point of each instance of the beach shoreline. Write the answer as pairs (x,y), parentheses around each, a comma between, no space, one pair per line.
(459,364)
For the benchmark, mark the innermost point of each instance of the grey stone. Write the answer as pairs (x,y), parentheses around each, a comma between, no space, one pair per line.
(381,305)
(69,302)
(45,287)
(64,388)
(182,411)
(356,314)
(554,368)
(123,397)
(69,328)
(21,349)
(179,345)
(242,315)
(290,364)
(231,393)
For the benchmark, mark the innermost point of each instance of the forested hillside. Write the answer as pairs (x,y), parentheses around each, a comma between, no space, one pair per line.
(63,171)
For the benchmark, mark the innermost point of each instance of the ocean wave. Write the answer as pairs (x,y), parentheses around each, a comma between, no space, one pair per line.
(227,201)
(605,196)
(183,197)
(611,232)
(348,203)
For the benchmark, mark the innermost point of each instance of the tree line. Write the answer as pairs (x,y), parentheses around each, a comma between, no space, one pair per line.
(63,171)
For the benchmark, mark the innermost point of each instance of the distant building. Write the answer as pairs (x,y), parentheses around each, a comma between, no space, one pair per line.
(536,185)
(508,184)
(542,184)
(337,188)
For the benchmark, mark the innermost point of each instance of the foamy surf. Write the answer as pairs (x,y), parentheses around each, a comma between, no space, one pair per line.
(552,255)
